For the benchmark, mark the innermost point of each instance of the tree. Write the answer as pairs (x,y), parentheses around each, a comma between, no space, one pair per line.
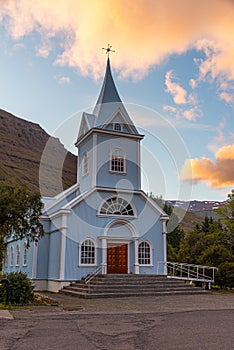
(226,214)
(19,214)
(176,233)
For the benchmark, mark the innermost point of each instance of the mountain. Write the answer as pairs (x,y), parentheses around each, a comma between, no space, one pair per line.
(193,212)
(194,205)
(31,157)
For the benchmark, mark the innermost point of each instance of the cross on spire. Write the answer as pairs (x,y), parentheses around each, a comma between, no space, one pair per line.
(108,49)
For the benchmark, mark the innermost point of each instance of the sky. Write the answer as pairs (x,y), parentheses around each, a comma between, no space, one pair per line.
(173,67)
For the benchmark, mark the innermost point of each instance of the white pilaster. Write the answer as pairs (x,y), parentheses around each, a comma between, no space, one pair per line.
(34,263)
(63,247)
(104,255)
(139,163)
(94,160)
(136,263)
(164,220)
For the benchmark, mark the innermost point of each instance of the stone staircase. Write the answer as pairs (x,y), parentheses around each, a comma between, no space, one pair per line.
(114,286)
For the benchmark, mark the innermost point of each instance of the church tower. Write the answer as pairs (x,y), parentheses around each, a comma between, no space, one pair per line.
(108,143)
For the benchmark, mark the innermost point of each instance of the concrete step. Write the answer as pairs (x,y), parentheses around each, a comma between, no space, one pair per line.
(129,285)
(131,294)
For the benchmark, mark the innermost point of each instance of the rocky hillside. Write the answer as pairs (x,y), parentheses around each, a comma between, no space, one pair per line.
(29,156)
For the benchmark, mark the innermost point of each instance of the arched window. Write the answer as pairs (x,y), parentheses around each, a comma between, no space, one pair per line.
(87,253)
(17,255)
(11,256)
(144,253)
(117,206)
(117,161)
(25,260)
(85,167)
(117,127)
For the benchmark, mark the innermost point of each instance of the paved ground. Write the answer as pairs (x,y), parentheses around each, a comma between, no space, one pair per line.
(193,322)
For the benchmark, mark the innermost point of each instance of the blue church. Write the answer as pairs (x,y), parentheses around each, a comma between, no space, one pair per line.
(105,221)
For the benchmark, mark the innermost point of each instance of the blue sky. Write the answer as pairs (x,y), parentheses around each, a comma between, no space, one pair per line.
(177,81)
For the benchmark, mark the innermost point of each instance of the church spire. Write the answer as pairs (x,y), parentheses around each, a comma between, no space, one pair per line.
(109,93)
(109,102)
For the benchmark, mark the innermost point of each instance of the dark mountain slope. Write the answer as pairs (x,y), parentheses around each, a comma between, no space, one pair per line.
(27,150)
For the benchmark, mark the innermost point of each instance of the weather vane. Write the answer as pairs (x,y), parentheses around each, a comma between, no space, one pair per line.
(108,49)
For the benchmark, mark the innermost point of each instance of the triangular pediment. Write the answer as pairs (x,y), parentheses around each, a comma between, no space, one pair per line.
(119,118)
(87,122)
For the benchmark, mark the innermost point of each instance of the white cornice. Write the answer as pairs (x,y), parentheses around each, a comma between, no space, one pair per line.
(108,132)
(61,196)
(60,212)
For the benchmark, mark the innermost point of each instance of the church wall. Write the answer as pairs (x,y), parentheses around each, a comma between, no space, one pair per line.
(149,228)
(54,255)
(86,181)
(21,267)
(43,257)
(72,269)
(106,145)
(83,222)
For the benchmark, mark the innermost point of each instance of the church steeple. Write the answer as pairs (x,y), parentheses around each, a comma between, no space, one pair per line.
(109,109)
(109,103)
(109,93)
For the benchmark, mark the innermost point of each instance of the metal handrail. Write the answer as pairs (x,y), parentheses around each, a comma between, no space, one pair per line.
(189,272)
(93,274)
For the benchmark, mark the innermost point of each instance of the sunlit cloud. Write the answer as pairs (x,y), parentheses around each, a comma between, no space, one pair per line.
(178,92)
(227,97)
(216,174)
(217,67)
(191,114)
(186,105)
(193,83)
(164,27)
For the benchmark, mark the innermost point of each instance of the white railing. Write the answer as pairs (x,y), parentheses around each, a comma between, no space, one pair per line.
(189,272)
(98,270)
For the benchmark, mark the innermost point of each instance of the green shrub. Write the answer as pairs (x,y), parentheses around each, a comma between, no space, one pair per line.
(225,275)
(21,289)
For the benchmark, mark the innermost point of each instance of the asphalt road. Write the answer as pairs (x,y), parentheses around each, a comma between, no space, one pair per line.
(168,322)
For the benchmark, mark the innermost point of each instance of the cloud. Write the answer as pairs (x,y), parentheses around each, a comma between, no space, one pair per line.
(186,104)
(226,96)
(216,174)
(191,114)
(193,83)
(64,80)
(164,27)
(216,67)
(179,94)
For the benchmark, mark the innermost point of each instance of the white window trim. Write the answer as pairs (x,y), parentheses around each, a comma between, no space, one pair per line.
(95,253)
(116,215)
(151,254)
(17,256)
(124,162)
(83,167)
(25,249)
(11,256)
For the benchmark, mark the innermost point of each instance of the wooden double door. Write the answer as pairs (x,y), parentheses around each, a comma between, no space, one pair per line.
(117,258)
